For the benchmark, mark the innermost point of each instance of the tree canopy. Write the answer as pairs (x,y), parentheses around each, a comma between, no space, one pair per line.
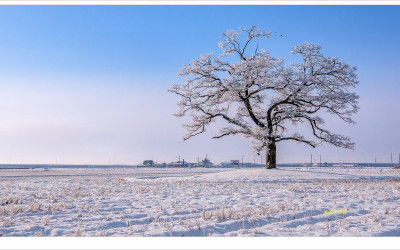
(258,95)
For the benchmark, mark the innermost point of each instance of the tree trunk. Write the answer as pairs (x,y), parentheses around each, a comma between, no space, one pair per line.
(271,155)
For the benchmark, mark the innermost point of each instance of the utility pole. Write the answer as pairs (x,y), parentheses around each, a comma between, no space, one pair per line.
(391,158)
(179,159)
(254,162)
(311,160)
(320,163)
(375,159)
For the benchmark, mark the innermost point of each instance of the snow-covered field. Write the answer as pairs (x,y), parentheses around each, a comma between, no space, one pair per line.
(200,202)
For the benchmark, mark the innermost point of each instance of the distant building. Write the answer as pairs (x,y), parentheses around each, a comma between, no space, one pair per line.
(174,165)
(235,163)
(206,163)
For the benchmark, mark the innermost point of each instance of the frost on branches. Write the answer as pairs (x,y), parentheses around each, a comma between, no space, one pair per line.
(259,95)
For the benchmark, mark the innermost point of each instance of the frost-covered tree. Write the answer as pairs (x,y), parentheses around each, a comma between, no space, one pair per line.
(259,96)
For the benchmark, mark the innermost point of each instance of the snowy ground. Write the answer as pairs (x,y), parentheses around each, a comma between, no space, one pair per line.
(200,202)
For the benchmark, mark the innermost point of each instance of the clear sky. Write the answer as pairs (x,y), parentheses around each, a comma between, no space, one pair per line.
(87,84)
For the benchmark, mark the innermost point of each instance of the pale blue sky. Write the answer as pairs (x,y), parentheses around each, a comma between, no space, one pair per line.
(87,84)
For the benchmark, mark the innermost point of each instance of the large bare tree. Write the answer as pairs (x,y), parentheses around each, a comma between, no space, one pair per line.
(259,96)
